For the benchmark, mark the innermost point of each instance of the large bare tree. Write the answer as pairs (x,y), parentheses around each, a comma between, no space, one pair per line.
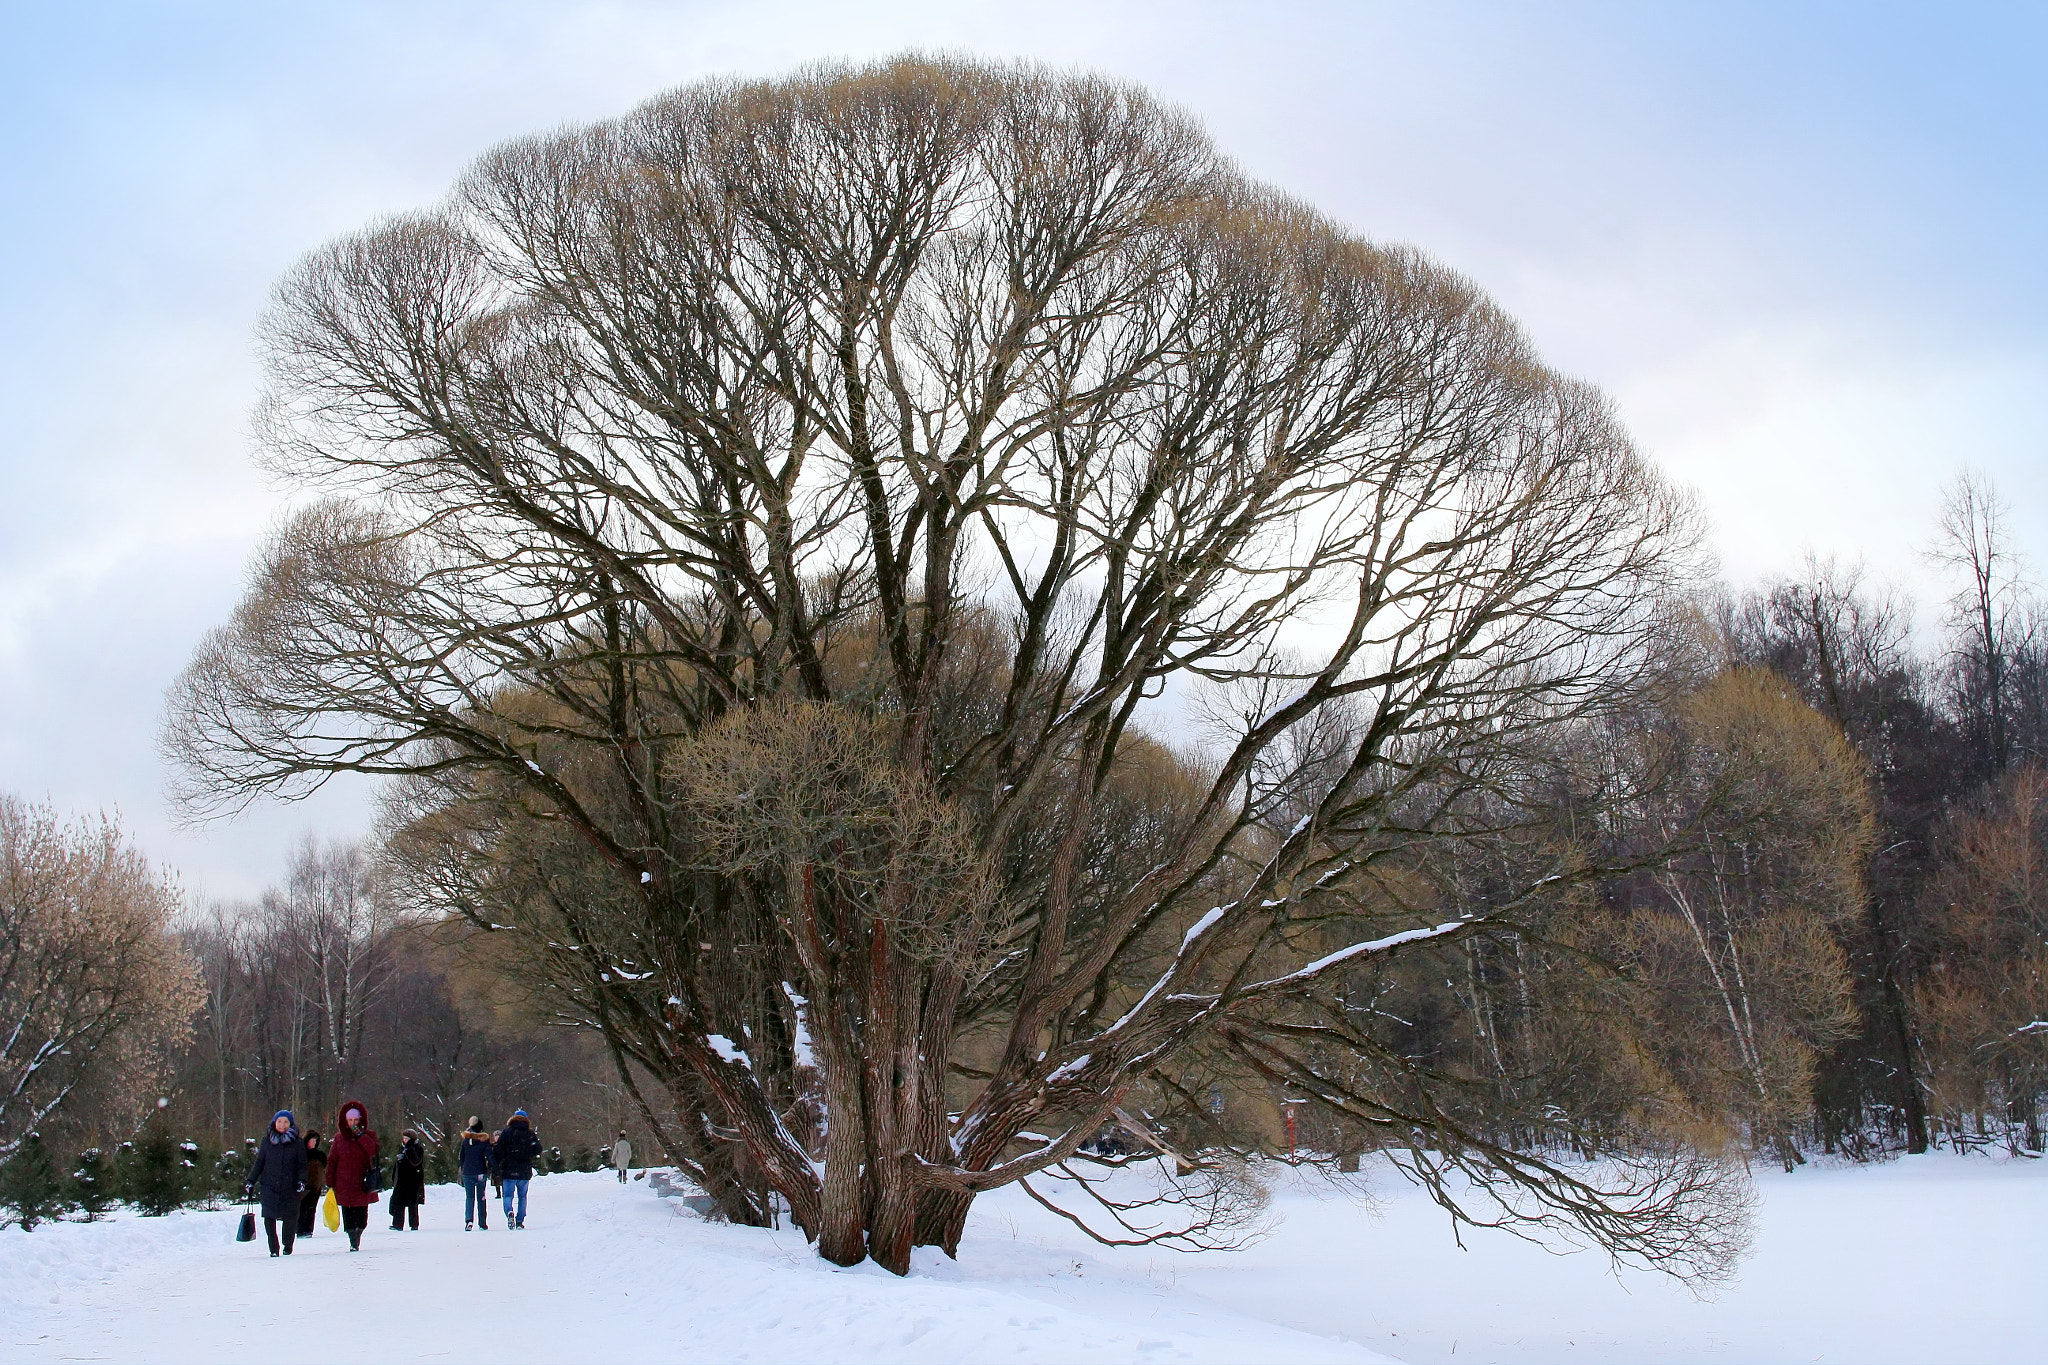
(770,533)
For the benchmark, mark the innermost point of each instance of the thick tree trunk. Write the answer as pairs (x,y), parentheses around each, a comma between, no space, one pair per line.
(942,1219)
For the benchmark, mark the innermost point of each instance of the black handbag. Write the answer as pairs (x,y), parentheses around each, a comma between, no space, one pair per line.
(245,1231)
(373,1176)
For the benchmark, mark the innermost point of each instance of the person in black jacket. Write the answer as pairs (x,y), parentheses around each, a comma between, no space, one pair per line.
(316,1184)
(408,1182)
(280,1173)
(476,1175)
(512,1158)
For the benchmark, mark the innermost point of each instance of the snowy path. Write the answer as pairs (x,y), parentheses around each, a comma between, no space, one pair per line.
(600,1273)
(1924,1260)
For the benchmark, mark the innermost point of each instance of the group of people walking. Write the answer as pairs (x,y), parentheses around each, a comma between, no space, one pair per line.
(292,1175)
(507,1158)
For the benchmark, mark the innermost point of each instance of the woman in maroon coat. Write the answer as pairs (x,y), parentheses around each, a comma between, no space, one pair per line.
(351,1155)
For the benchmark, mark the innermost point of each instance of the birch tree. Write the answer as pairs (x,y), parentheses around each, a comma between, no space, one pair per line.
(334,928)
(1772,819)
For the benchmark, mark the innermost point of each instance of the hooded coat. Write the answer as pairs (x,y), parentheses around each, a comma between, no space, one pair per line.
(476,1153)
(409,1175)
(280,1171)
(516,1150)
(349,1155)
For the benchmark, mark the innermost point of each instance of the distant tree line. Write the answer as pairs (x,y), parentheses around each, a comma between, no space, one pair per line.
(1835,937)
(330,988)
(1948,953)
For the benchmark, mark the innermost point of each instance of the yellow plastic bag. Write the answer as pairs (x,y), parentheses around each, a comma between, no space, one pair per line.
(330,1211)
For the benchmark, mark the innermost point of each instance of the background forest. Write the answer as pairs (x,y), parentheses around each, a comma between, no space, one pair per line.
(1848,959)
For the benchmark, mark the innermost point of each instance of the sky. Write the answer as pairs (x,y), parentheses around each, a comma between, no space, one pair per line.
(1800,245)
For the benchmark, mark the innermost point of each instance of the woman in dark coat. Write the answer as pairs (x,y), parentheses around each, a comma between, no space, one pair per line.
(408,1182)
(280,1175)
(316,1185)
(350,1156)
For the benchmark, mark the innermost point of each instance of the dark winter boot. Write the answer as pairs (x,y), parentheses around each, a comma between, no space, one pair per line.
(355,1239)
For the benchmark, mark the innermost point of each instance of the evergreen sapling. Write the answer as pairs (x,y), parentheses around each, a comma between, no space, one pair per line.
(31,1190)
(93,1184)
(160,1174)
(442,1167)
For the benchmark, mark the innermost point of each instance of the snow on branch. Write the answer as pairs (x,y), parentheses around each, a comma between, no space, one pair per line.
(1366,949)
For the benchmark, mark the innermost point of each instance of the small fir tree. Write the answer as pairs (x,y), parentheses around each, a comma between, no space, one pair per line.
(582,1158)
(123,1171)
(442,1166)
(198,1172)
(31,1190)
(230,1173)
(93,1184)
(159,1175)
(552,1161)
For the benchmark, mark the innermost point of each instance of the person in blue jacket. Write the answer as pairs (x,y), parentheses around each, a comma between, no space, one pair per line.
(476,1176)
(280,1175)
(512,1156)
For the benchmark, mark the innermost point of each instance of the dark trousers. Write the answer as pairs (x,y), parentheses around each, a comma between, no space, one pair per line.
(399,1213)
(354,1218)
(270,1233)
(309,1209)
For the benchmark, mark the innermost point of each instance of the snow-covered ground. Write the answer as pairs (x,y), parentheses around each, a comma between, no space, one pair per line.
(1924,1259)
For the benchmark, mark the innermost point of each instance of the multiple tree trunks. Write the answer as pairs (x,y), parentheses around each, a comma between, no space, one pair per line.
(756,528)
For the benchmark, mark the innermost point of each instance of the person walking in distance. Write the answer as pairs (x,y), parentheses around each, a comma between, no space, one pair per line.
(316,1184)
(280,1174)
(622,1157)
(351,1165)
(512,1156)
(408,1182)
(476,1176)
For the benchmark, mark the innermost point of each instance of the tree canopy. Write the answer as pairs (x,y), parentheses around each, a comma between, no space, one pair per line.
(771,535)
